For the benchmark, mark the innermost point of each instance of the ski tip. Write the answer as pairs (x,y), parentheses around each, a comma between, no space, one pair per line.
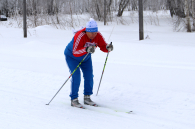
(129,112)
(95,105)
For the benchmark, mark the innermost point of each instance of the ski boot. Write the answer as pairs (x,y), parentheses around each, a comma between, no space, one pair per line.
(88,101)
(75,103)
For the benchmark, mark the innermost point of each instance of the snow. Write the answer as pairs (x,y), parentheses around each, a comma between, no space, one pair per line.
(154,78)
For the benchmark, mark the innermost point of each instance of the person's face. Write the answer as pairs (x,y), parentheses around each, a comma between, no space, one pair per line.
(91,35)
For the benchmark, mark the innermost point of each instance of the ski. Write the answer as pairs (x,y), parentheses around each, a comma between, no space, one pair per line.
(129,112)
(98,108)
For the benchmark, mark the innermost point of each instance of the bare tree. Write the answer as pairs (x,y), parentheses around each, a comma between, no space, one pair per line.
(105,12)
(122,5)
(176,8)
(99,9)
(188,25)
(41,12)
(50,7)
(34,12)
(193,15)
(134,4)
(5,7)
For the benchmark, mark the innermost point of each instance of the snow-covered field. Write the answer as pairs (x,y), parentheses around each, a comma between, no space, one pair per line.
(154,78)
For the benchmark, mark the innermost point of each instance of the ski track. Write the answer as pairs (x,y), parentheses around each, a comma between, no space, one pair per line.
(22,99)
(172,65)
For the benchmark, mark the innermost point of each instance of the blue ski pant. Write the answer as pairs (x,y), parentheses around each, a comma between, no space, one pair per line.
(87,69)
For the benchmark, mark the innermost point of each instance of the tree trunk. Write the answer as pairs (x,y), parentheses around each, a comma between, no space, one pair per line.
(56,12)
(109,14)
(122,5)
(187,16)
(24,19)
(50,7)
(170,6)
(141,28)
(98,11)
(105,12)
(134,5)
(193,15)
(34,12)
(109,3)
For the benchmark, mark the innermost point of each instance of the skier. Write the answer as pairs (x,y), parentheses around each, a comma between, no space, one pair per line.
(84,41)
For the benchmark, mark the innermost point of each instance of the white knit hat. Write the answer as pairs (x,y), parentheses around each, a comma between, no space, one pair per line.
(91,26)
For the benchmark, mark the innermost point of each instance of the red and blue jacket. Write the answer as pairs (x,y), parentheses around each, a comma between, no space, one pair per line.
(80,41)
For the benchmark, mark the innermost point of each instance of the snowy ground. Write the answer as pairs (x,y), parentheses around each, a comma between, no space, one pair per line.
(154,78)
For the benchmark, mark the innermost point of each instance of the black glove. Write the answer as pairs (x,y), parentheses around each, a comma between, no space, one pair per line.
(109,47)
(90,49)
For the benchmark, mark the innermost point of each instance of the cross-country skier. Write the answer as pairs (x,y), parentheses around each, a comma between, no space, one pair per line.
(84,41)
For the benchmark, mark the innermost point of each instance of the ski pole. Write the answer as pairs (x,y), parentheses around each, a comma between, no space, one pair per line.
(68,78)
(103,71)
